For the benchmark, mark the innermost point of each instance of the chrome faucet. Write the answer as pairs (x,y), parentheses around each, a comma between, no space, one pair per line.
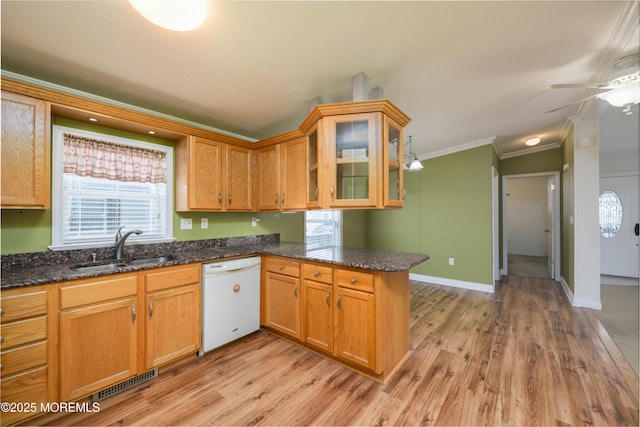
(120,239)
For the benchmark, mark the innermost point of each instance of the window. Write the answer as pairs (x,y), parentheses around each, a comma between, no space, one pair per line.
(121,182)
(610,213)
(323,229)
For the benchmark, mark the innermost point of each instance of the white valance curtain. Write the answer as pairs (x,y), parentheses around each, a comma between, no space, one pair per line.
(102,159)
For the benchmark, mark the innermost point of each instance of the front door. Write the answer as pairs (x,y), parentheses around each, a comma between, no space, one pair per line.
(619,226)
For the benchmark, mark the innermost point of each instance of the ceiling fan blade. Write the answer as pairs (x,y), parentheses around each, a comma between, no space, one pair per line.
(580,86)
(570,104)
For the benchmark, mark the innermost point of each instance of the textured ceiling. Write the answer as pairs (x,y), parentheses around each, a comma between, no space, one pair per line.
(465,72)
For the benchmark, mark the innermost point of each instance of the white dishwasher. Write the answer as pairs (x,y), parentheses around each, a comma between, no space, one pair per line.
(230,301)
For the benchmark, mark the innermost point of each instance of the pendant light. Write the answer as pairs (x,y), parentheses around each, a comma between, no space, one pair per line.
(414,164)
(175,15)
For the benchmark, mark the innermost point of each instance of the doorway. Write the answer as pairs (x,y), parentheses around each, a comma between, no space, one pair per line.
(531,225)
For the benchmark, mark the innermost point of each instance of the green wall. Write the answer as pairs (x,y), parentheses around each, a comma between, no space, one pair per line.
(446,214)
(567,241)
(543,161)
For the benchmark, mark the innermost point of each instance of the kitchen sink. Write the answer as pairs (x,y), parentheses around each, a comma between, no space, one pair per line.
(99,268)
(155,260)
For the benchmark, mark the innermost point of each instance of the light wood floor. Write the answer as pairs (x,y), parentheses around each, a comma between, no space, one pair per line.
(522,356)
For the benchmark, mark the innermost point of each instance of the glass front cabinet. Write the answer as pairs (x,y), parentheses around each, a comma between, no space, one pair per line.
(355,155)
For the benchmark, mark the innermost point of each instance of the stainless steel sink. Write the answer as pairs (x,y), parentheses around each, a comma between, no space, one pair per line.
(155,260)
(99,268)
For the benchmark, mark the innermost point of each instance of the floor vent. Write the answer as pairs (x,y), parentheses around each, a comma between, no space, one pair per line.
(125,385)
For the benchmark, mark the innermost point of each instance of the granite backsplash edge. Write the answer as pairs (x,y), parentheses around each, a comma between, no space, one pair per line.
(133,251)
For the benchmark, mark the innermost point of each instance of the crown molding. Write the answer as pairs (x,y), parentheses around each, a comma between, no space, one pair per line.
(457,148)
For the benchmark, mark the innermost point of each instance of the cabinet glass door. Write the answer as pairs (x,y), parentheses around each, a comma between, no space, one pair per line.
(313,176)
(393,163)
(353,142)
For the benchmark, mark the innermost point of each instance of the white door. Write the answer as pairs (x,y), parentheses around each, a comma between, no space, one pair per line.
(619,226)
(551,256)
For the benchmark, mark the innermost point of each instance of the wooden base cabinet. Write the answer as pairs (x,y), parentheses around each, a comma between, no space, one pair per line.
(28,350)
(98,334)
(173,298)
(359,318)
(282,295)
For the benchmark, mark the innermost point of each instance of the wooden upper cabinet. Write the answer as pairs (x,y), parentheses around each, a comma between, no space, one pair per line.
(238,178)
(212,176)
(26,158)
(281,173)
(199,166)
(354,155)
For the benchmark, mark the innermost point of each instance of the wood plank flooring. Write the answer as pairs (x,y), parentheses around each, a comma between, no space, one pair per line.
(522,356)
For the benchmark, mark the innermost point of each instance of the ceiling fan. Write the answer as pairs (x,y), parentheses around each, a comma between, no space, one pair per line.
(623,91)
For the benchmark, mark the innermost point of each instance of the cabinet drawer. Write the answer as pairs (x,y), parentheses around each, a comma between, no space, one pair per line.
(21,305)
(103,289)
(355,280)
(169,277)
(282,266)
(26,387)
(23,332)
(318,273)
(23,358)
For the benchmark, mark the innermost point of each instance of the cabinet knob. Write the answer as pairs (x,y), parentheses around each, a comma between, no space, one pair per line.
(280,267)
(316,273)
(353,281)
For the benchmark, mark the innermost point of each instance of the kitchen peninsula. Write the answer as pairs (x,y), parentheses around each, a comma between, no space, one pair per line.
(349,305)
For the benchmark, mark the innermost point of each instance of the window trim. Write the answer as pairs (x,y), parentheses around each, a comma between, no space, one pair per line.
(57,175)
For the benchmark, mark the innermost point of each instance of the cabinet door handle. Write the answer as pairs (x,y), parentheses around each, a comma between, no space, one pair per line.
(295,291)
(329,299)
(317,191)
(404,193)
(283,198)
(339,301)
(134,313)
(332,191)
(150,308)
(219,197)
(1,311)
(1,339)
(275,199)
(229,199)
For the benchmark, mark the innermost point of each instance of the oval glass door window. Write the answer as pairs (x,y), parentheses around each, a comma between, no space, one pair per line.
(610,213)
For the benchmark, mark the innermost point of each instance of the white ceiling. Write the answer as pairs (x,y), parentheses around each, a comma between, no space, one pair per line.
(465,72)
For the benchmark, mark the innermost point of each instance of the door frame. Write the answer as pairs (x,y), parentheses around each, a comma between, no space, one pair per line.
(556,219)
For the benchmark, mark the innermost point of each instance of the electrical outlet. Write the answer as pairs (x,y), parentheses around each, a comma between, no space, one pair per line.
(204,222)
(186,224)
(451,261)
(254,222)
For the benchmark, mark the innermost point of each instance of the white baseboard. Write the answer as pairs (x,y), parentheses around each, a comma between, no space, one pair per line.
(577,302)
(453,283)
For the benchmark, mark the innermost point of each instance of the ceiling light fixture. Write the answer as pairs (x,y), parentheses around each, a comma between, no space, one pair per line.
(413,164)
(625,91)
(176,15)
(532,141)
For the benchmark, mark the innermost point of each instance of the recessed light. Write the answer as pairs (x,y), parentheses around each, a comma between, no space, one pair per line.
(532,141)
(93,119)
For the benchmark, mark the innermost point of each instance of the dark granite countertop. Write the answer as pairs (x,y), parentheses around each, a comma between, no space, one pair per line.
(21,271)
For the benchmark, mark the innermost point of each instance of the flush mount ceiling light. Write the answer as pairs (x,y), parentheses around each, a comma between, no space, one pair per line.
(532,141)
(176,15)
